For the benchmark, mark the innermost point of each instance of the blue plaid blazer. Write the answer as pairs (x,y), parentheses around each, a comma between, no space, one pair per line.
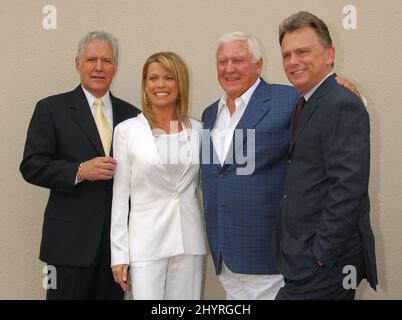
(240,209)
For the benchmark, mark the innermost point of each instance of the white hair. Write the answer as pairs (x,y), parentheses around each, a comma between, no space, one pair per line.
(253,45)
(99,36)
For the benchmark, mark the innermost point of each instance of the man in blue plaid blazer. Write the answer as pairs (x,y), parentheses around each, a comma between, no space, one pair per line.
(244,156)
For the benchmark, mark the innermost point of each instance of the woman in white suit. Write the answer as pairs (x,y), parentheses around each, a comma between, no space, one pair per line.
(157,229)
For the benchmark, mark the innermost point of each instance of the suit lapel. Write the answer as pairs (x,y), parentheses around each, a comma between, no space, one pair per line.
(208,124)
(193,142)
(119,115)
(310,107)
(210,117)
(152,149)
(308,110)
(256,109)
(81,113)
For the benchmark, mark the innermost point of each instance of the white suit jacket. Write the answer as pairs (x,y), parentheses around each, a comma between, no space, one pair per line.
(165,217)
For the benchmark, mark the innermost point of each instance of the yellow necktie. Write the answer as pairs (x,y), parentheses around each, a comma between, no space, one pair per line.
(104,130)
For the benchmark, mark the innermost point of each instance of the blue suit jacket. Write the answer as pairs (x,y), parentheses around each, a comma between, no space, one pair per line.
(240,210)
(324,213)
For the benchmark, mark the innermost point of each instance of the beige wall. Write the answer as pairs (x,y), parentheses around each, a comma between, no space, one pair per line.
(36,63)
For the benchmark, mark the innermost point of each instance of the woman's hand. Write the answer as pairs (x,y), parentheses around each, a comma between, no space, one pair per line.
(349,85)
(120,275)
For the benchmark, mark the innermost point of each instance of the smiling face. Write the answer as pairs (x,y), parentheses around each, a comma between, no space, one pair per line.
(236,71)
(97,67)
(305,60)
(161,86)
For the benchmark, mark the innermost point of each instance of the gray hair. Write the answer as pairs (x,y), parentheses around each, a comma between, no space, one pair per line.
(253,45)
(98,36)
(305,19)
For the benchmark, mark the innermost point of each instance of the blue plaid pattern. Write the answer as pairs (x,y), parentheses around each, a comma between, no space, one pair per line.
(240,210)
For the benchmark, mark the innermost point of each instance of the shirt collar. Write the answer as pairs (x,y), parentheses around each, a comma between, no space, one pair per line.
(310,93)
(91,98)
(245,98)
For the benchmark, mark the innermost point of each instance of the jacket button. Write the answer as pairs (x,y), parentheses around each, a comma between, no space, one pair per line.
(175,195)
(290,161)
(221,175)
(285,196)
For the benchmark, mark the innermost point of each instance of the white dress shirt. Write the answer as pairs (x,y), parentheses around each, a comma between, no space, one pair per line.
(222,132)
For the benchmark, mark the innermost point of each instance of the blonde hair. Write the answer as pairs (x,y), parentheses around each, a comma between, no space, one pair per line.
(177,67)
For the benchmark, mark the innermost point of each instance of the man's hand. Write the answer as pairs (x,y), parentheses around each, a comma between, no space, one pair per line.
(100,168)
(120,275)
(349,85)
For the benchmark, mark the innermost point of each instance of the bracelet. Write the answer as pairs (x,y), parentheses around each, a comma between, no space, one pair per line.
(79,174)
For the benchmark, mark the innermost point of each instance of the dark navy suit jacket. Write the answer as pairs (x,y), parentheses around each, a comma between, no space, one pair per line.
(325,207)
(240,210)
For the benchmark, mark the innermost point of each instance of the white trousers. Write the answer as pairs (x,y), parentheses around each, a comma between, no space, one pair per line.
(174,278)
(250,286)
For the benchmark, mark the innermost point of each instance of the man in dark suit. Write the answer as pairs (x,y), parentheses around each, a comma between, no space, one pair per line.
(241,198)
(68,151)
(324,245)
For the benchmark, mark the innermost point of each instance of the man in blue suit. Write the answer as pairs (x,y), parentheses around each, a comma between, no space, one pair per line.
(243,169)
(324,245)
